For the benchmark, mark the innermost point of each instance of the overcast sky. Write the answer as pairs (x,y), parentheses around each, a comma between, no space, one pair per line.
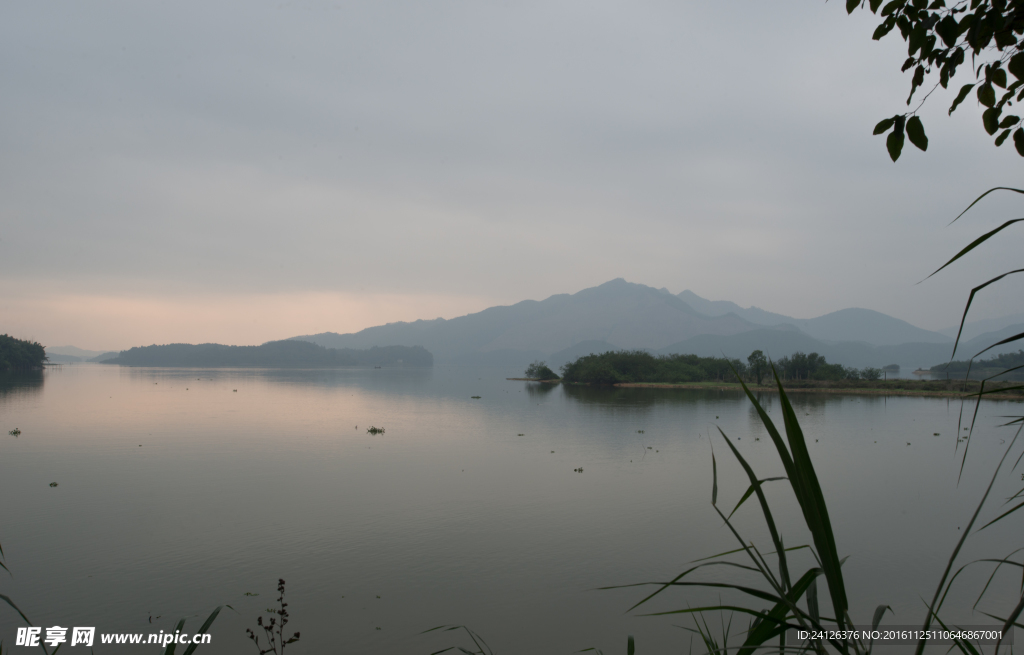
(245,171)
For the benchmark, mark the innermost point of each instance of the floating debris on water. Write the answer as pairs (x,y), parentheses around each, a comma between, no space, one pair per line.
(579,470)
(520,435)
(53,484)
(477,397)
(935,434)
(639,431)
(375,430)
(15,432)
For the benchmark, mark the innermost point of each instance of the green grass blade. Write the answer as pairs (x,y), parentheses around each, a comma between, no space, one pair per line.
(775,619)
(934,607)
(16,609)
(970,299)
(1016,337)
(879,613)
(1000,618)
(978,199)
(974,419)
(709,608)
(765,510)
(630,646)
(177,628)
(966,647)
(999,563)
(1011,620)
(714,478)
(812,502)
(773,432)
(688,571)
(750,491)
(675,582)
(728,552)
(203,629)
(977,242)
(1001,516)
(812,602)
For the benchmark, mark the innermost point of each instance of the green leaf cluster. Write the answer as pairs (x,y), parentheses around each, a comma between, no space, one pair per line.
(939,37)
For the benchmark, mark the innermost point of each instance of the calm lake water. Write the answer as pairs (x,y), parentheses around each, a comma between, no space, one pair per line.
(180,490)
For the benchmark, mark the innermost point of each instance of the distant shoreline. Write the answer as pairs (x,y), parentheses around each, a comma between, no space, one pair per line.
(552,381)
(860,391)
(814,387)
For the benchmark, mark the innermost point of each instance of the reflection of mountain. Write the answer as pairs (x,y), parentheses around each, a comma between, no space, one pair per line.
(21,383)
(275,354)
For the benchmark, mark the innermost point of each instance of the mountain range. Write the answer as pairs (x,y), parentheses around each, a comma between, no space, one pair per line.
(622,315)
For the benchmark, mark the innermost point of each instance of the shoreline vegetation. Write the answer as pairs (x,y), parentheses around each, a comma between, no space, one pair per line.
(20,355)
(273,354)
(797,373)
(924,388)
(1000,367)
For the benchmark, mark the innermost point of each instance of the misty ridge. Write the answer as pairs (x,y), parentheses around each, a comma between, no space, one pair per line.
(619,315)
(273,354)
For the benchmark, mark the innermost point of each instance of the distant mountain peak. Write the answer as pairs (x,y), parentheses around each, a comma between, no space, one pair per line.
(616,314)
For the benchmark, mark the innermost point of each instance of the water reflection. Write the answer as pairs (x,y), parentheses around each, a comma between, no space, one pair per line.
(16,385)
(321,377)
(646,397)
(539,390)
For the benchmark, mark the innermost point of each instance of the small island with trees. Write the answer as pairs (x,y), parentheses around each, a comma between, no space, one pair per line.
(273,354)
(808,372)
(20,355)
(1008,366)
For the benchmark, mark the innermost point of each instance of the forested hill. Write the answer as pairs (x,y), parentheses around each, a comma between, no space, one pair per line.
(274,354)
(984,368)
(20,355)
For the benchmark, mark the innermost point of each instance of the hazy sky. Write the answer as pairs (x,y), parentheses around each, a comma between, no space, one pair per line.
(246,171)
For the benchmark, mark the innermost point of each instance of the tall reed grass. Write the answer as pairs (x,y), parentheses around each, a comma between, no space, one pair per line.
(789,599)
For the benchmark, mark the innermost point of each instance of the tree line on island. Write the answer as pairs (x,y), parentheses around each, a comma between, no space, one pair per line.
(273,354)
(1008,366)
(20,355)
(630,366)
